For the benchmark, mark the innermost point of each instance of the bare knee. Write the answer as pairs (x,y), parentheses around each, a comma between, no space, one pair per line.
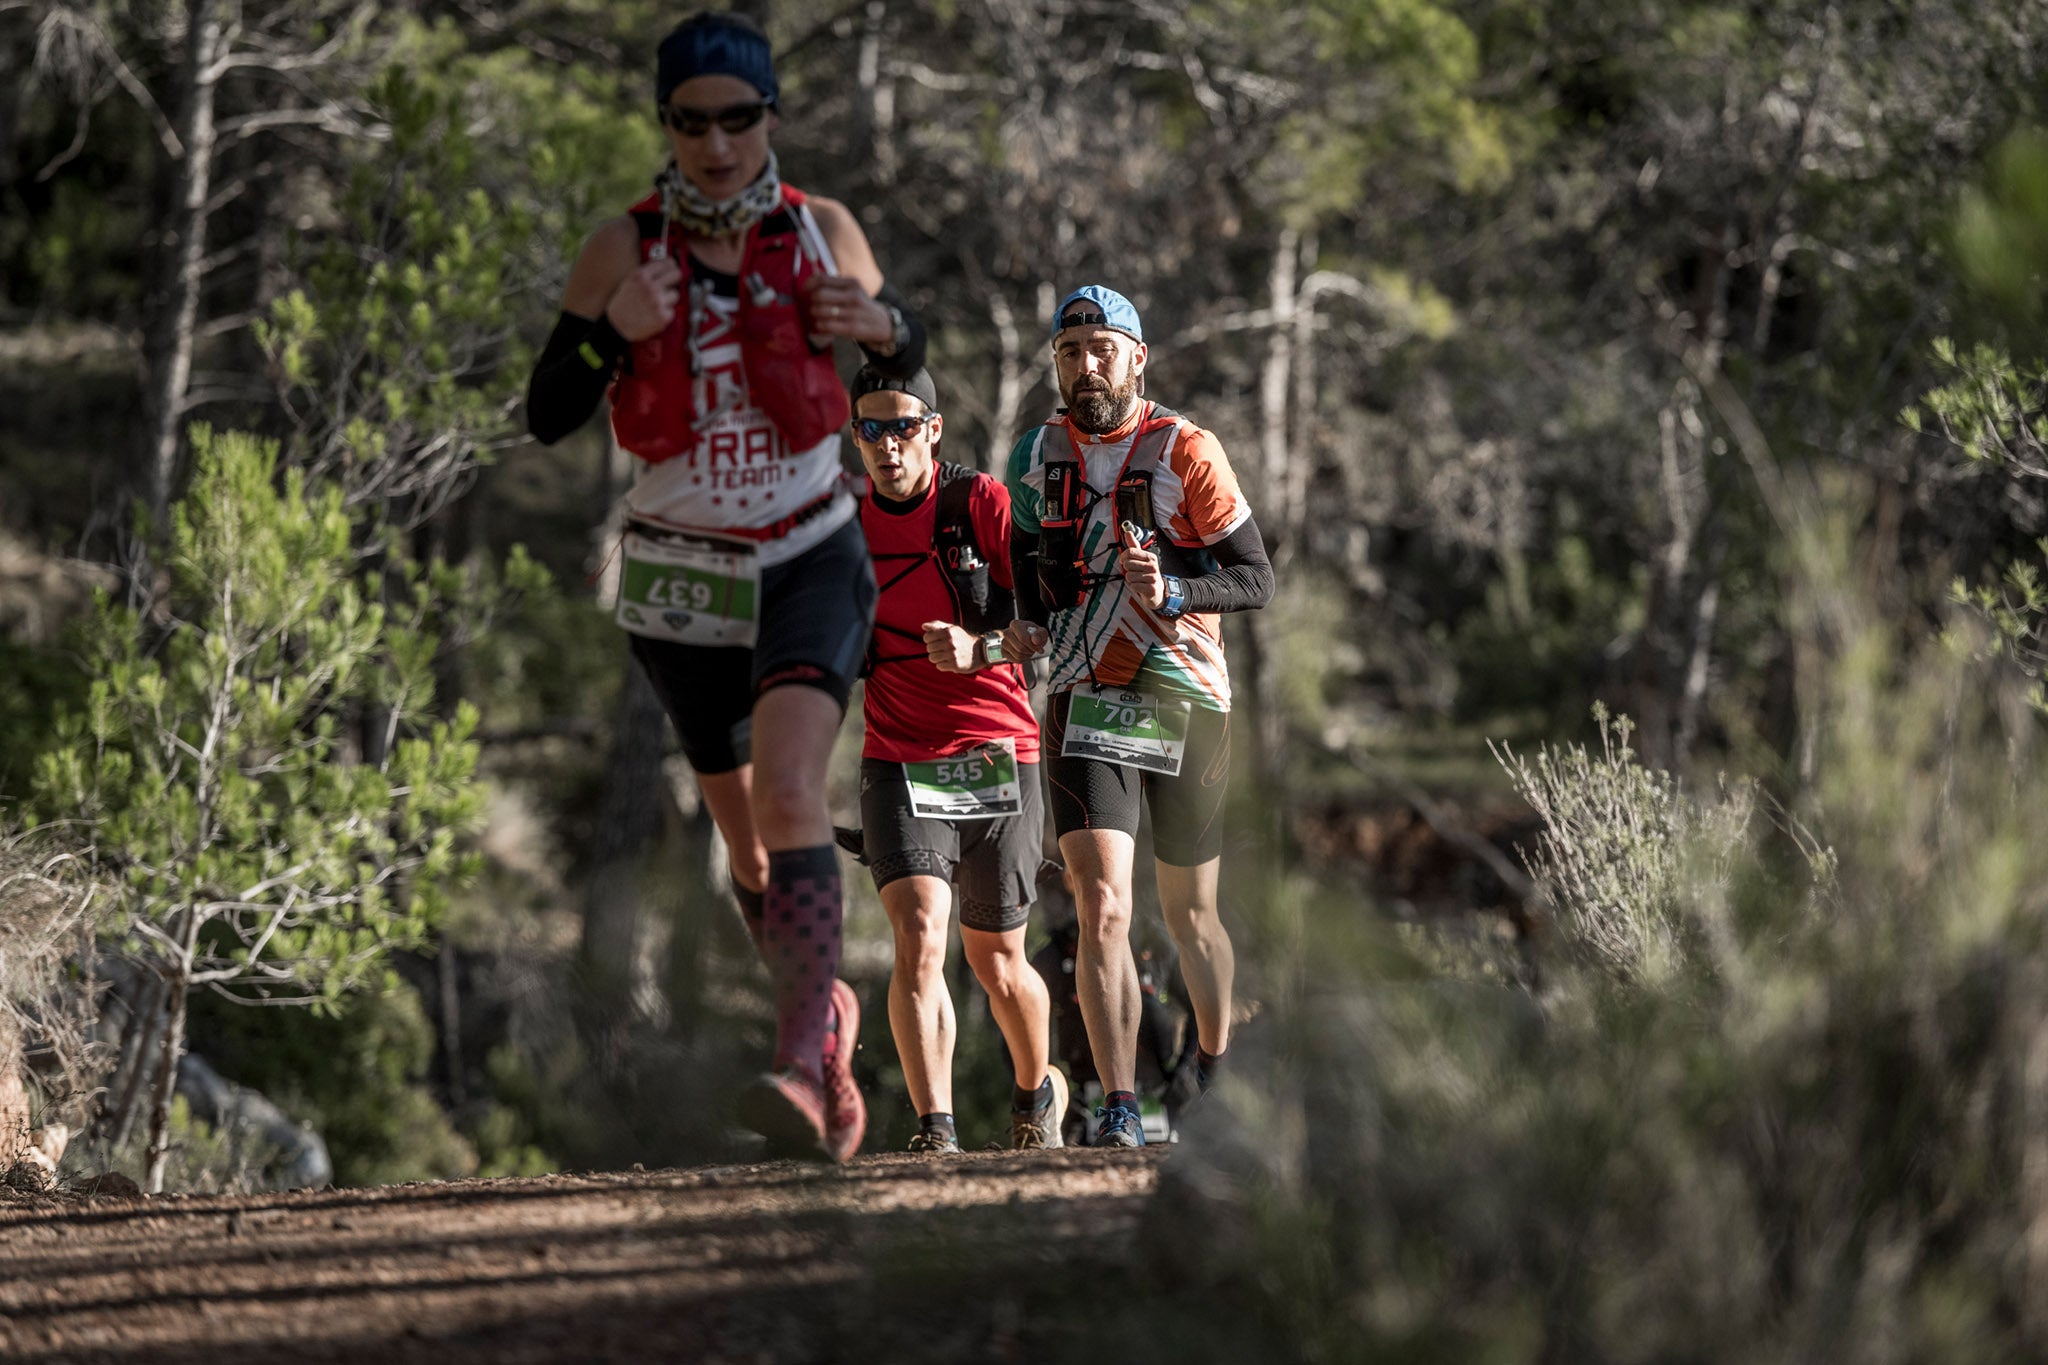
(1191,924)
(920,929)
(1105,910)
(999,967)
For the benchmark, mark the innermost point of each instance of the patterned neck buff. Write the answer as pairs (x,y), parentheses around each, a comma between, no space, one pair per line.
(703,217)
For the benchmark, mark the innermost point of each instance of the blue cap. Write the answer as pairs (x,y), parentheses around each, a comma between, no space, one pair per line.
(715,44)
(1111,310)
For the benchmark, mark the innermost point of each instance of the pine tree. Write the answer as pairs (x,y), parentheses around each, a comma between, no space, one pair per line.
(252,849)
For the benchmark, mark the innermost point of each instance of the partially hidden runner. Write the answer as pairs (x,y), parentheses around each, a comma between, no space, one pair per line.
(949,776)
(1129,535)
(708,312)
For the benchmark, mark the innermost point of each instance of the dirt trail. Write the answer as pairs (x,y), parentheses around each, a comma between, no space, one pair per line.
(989,1256)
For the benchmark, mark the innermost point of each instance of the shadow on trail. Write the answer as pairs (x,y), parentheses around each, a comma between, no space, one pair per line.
(423,1196)
(981,1258)
(907,1291)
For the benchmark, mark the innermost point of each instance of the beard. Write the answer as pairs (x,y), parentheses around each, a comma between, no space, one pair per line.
(1099,410)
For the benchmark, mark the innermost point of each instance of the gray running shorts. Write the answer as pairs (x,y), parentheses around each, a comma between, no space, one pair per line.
(994,862)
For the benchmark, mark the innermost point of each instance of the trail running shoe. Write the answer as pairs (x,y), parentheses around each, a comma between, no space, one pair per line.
(1040,1127)
(1119,1127)
(846,1113)
(788,1108)
(934,1144)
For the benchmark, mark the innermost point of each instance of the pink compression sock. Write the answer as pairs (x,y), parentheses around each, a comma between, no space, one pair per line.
(800,943)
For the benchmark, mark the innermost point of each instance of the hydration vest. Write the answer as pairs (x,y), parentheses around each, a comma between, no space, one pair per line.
(1063,573)
(655,397)
(980,604)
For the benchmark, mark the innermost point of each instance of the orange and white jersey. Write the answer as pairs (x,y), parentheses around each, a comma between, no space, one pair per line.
(1109,636)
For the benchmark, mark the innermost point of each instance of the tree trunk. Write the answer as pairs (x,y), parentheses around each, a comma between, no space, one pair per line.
(629,821)
(1263,726)
(172,1045)
(1692,695)
(1292,514)
(1013,377)
(1276,382)
(446,968)
(131,1074)
(878,97)
(1671,662)
(173,336)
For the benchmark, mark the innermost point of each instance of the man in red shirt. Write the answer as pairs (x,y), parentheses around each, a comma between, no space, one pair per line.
(949,775)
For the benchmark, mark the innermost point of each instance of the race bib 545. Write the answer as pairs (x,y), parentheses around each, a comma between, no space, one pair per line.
(972,786)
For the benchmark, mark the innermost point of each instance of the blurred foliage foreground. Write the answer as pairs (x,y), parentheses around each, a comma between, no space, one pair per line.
(1774,1089)
(1783,1093)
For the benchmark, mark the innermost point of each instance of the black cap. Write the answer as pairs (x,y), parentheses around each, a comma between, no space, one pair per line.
(871,380)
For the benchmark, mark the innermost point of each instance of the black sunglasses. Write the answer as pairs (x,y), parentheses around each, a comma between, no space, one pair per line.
(734,118)
(873,429)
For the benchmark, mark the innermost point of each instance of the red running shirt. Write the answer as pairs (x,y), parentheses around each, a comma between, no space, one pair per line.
(914,712)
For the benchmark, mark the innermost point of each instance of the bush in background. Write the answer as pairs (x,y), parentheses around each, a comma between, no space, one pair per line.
(1823,1135)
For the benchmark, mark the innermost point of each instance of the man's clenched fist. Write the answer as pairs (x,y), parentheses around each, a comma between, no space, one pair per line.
(1141,570)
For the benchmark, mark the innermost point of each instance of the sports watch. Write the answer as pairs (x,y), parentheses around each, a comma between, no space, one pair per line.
(1176,597)
(991,649)
(899,331)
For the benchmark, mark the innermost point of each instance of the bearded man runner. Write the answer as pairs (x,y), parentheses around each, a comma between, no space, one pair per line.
(1129,535)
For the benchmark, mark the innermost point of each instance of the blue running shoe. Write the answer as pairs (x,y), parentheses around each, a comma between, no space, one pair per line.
(1119,1127)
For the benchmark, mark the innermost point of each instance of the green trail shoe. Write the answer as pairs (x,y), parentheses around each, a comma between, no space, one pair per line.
(1040,1128)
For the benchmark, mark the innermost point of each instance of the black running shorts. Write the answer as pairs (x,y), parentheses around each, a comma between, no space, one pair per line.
(994,862)
(816,611)
(1187,808)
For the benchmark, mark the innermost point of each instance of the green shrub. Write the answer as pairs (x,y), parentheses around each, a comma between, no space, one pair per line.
(1774,1104)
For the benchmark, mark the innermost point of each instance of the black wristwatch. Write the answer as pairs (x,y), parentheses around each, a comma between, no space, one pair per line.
(899,331)
(991,649)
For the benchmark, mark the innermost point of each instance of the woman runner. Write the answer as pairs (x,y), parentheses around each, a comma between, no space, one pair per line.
(708,313)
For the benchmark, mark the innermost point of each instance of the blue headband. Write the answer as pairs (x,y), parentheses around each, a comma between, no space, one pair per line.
(715,44)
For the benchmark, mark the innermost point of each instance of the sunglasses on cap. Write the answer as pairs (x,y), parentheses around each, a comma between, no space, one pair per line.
(873,429)
(734,118)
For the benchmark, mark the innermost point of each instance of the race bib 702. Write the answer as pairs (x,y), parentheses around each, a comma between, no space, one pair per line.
(1127,727)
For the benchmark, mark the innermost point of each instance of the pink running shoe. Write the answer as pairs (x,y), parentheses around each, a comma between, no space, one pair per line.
(788,1108)
(846,1113)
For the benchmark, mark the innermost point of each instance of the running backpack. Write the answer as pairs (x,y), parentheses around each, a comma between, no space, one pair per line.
(1063,573)
(980,604)
(656,398)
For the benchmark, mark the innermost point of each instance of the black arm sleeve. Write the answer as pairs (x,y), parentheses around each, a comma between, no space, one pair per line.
(1243,580)
(1024,576)
(566,384)
(907,359)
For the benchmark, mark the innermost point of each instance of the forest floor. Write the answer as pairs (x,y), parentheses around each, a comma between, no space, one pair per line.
(988,1256)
